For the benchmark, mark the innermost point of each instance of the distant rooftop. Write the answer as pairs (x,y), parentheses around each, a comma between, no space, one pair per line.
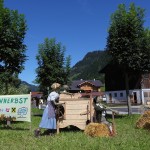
(77,83)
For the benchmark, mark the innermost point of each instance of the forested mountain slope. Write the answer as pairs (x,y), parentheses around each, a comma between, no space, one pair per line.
(32,88)
(89,66)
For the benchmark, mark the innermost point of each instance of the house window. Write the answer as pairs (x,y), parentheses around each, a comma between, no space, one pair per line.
(121,94)
(145,94)
(115,94)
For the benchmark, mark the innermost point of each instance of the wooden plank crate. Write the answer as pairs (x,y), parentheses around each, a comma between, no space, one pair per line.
(77,112)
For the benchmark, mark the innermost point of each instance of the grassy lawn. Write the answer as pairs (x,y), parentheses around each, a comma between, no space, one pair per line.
(127,138)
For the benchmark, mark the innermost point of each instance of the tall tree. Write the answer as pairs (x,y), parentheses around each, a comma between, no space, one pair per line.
(12,49)
(67,70)
(51,64)
(128,43)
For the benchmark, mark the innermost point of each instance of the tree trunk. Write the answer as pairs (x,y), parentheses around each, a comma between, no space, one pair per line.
(6,88)
(127,93)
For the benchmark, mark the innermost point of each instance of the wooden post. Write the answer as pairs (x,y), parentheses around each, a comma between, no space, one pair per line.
(8,123)
(58,117)
(57,124)
(91,108)
(113,121)
(88,112)
(64,116)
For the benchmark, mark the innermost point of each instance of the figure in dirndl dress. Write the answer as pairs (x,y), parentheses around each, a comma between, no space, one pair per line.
(48,120)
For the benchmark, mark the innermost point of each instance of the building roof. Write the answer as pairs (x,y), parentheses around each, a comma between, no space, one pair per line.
(77,83)
(36,94)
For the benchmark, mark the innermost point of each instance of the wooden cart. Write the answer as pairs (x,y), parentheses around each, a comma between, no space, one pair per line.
(77,111)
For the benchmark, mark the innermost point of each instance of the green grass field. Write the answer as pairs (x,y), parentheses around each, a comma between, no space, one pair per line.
(21,137)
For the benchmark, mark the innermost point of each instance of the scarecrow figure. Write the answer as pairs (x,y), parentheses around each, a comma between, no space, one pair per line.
(100,111)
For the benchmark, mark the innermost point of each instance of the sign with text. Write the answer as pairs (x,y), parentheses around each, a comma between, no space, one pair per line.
(15,107)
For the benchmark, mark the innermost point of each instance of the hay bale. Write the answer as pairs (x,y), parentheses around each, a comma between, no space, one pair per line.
(144,121)
(146,113)
(97,130)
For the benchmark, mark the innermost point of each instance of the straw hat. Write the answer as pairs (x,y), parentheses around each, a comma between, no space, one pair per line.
(55,86)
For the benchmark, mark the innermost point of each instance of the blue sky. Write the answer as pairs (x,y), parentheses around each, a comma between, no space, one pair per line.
(80,25)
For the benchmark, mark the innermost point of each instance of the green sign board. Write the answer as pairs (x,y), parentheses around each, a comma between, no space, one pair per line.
(15,107)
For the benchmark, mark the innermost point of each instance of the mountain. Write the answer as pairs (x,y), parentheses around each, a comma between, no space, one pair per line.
(86,69)
(89,66)
(32,87)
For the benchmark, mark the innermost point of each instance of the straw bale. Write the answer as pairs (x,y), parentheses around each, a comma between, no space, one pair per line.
(97,130)
(146,113)
(144,121)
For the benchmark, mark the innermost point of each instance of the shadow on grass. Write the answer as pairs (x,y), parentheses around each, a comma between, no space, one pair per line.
(109,116)
(53,132)
(70,129)
(37,115)
(13,128)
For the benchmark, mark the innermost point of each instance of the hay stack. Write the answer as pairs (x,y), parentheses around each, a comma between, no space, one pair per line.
(97,130)
(144,121)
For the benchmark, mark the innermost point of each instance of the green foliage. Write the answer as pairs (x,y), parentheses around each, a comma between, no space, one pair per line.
(67,70)
(31,87)
(127,40)
(89,67)
(12,49)
(51,64)
(14,90)
(103,89)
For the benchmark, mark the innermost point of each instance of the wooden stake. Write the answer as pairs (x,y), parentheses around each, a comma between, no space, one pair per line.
(8,123)
(91,107)
(57,124)
(113,121)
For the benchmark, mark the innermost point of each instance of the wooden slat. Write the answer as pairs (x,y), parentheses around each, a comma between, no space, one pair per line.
(76,117)
(75,107)
(76,103)
(74,121)
(74,99)
(76,111)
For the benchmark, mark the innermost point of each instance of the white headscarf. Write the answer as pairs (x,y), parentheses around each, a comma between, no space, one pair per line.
(53,96)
